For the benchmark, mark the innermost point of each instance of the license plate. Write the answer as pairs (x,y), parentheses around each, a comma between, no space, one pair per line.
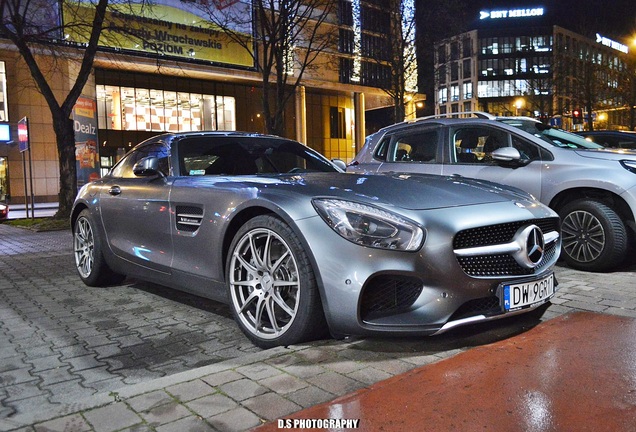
(524,294)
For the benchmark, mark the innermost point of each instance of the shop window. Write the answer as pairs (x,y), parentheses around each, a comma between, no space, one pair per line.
(155,110)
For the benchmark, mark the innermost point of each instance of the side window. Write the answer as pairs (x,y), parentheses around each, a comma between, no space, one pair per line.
(420,147)
(527,150)
(382,150)
(474,145)
(124,169)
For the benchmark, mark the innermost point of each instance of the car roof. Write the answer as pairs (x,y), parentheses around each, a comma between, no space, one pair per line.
(477,118)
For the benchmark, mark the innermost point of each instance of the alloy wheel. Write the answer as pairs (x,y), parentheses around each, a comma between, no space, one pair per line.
(84,244)
(583,236)
(264,283)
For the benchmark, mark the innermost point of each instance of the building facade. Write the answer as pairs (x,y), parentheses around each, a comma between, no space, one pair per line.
(183,77)
(518,62)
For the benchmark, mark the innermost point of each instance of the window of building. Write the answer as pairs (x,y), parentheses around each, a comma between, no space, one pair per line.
(454,48)
(441,75)
(345,41)
(467,68)
(454,93)
(454,71)
(337,122)
(442,95)
(141,109)
(345,12)
(468,106)
(467,90)
(441,54)
(467,47)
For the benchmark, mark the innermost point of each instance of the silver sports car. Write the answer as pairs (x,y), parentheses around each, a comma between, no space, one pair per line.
(299,248)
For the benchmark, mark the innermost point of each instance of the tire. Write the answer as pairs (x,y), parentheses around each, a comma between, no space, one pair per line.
(594,236)
(272,287)
(87,250)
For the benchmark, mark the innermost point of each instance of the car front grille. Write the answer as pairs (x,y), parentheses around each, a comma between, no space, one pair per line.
(388,294)
(493,265)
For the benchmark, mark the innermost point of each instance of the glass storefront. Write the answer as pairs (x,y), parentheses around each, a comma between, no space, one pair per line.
(154,110)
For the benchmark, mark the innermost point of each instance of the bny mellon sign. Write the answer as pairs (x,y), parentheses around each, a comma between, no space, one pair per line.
(168,28)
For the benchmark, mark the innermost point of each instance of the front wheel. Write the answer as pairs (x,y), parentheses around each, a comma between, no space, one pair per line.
(87,250)
(594,236)
(273,291)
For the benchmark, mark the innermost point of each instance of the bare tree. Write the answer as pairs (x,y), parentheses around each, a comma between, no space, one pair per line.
(288,40)
(36,30)
(23,24)
(402,56)
(538,95)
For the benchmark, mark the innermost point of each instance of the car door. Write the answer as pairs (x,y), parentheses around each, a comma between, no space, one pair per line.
(135,210)
(417,150)
(470,155)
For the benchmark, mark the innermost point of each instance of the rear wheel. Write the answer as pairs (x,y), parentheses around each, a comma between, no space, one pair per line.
(594,236)
(87,249)
(273,290)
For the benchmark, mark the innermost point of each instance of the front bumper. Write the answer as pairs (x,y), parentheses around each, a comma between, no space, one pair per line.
(368,291)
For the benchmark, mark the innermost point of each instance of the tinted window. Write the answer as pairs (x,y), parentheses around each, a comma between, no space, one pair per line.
(124,169)
(474,145)
(247,156)
(420,147)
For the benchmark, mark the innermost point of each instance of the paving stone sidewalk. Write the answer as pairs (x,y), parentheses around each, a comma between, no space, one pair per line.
(243,392)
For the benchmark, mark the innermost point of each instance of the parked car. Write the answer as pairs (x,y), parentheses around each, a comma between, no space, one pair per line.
(296,246)
(592,188)
(611,138)
(4,211)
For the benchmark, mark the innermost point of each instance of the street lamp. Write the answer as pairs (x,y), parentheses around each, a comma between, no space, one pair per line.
(518,105)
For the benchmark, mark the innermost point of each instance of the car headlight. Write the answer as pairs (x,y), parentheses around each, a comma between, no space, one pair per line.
(369,226)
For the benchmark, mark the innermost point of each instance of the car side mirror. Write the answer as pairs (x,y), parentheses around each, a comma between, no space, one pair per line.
(147,167)
(508,156)
(339,163)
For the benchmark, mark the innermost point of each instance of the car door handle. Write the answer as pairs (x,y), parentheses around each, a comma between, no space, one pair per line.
(114,190)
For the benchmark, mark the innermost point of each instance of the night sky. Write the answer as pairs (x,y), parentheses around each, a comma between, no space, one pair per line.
(613,18)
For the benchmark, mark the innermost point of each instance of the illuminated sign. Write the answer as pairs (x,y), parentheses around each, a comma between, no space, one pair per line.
(510,13)
(168,28)
(611,43)
(23,134)
(5,132)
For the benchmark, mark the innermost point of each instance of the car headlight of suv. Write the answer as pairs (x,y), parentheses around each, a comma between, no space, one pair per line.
(369,226)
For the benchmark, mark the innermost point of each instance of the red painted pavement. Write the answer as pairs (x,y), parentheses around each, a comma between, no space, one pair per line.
(572,373)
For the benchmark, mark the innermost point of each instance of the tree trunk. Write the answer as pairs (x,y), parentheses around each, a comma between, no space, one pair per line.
(65,139)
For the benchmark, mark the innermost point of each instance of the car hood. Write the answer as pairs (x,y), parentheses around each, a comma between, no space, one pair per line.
(408,191)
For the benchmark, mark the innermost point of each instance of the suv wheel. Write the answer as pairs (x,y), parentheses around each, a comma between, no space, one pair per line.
(594,236)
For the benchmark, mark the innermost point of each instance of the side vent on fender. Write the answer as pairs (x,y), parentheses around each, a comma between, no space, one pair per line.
(189,218)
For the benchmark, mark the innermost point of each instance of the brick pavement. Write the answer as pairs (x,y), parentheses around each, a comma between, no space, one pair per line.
(234,394)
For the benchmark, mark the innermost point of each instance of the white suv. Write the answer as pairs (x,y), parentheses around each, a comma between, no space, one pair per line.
(592,188)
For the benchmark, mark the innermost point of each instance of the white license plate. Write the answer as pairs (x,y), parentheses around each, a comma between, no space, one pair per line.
(520,295)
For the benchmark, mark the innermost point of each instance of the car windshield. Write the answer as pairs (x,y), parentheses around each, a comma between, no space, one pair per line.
(552,135)
(247,156)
